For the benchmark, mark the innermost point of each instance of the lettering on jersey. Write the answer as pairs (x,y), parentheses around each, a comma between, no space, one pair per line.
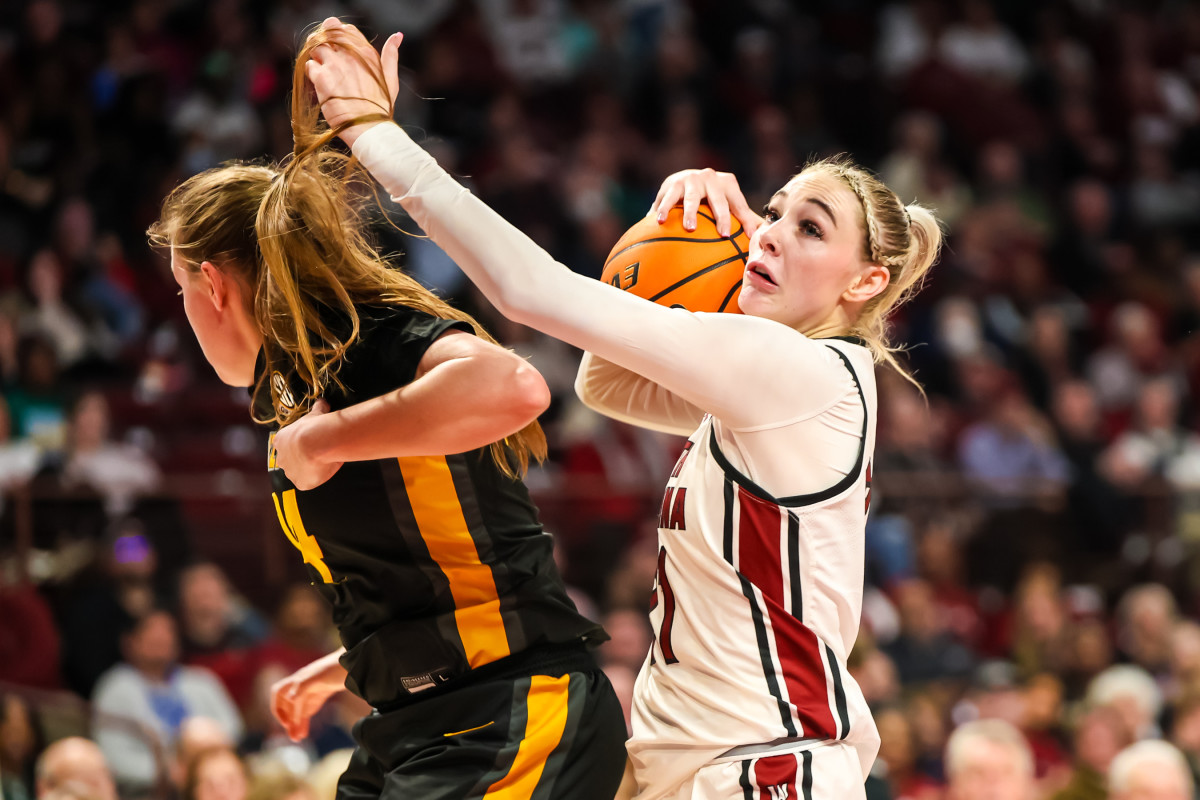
(671,514)
(668,598)
(626,278)
(779,792)
(682,458)
(867,509)
(289,518)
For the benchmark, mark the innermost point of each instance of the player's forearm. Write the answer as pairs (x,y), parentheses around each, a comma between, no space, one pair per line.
(332,671)
(513,272)
(625,396)
(459,405)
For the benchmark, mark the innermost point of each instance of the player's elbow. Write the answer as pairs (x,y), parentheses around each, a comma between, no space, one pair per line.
(528,393)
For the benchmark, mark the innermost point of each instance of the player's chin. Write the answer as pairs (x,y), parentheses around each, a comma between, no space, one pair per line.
(754,302)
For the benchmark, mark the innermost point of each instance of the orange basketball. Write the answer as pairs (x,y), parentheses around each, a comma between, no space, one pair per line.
(698,270)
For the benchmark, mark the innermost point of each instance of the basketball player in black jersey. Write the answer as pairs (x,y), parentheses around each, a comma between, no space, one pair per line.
(402,430)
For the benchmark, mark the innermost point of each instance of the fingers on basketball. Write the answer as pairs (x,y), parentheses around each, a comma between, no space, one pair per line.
(697,270)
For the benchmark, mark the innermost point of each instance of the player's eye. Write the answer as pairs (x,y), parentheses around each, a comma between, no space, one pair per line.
(810,228)
(769,214)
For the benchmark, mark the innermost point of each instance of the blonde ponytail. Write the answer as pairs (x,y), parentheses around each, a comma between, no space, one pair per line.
(905,239)
(293,233)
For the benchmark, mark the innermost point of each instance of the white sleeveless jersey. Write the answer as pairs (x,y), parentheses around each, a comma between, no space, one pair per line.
(756,607)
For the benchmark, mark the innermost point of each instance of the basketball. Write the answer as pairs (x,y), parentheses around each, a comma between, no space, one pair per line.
(698,270)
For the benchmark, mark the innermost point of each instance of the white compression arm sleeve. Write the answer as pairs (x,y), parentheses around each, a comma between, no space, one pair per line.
(749,372)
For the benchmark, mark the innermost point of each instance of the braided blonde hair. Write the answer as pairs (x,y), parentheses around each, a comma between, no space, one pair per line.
(905,239)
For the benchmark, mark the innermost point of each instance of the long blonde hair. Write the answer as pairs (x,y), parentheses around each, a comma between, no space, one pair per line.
(292,232)
(905,239)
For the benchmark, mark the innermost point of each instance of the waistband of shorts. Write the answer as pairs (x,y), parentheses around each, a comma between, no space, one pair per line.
(790,745)
(555,659)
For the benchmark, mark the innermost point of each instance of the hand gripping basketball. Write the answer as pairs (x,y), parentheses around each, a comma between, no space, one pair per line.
(699,270)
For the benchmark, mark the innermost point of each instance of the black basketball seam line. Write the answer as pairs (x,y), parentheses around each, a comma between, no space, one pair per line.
(697,274)
(662,239)
(713,220)
(732,238)
(729,296)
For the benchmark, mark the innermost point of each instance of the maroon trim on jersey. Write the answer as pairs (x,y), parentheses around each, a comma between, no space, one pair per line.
(798,649)
(803,671)
(758,529)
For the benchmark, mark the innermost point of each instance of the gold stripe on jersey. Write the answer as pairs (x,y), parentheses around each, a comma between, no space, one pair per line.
(545,721)
(443,527)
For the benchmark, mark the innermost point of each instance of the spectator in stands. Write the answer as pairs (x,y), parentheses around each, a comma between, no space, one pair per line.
(989,759)
(95,265)
(897,750)
(1132,693)
(1146,616)
(1012,456)
(218,630)
(217,774)
(303,631)
(119,473)
(323,776)
(19,458)
(20,741)
(30,643)
(280,785)
(98,605)
(153,691)
(196,735)
(1040,625)
(1185,729)
(925,650)
(1134,353)
(1150,770)
(1099,735)
(1158,447)
(37,402)
(55,314)
(1099,510)
(74,766)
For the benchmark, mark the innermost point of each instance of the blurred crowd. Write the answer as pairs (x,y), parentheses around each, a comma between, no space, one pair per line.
(1034,543)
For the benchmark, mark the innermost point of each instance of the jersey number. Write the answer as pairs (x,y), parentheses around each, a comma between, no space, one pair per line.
(293,526)
(664,633)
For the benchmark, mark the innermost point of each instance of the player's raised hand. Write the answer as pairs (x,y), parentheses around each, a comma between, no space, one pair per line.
(351,79)
(294,451)
(720,189)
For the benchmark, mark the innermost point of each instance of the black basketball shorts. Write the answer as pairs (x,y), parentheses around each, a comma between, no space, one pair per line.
(555,732)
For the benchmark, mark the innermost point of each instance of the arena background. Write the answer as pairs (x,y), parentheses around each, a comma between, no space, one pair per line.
(1036,517)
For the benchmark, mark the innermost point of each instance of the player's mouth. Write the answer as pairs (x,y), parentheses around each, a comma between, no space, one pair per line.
(758,273)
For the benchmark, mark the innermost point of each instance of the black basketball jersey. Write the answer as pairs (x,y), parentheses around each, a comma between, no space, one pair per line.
(434,565)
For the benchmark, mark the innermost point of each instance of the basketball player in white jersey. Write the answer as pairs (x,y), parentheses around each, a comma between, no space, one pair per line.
(745,693)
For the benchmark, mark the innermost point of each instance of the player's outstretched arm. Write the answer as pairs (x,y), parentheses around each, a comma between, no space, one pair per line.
(747,371)
(467,393)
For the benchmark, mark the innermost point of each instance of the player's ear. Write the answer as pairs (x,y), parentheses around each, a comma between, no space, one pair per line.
(870,282)
(217,283)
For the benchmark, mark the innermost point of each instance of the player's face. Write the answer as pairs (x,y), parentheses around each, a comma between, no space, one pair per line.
(806,254)
(219,314)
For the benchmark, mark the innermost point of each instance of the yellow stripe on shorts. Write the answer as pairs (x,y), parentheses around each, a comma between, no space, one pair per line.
(546,719)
